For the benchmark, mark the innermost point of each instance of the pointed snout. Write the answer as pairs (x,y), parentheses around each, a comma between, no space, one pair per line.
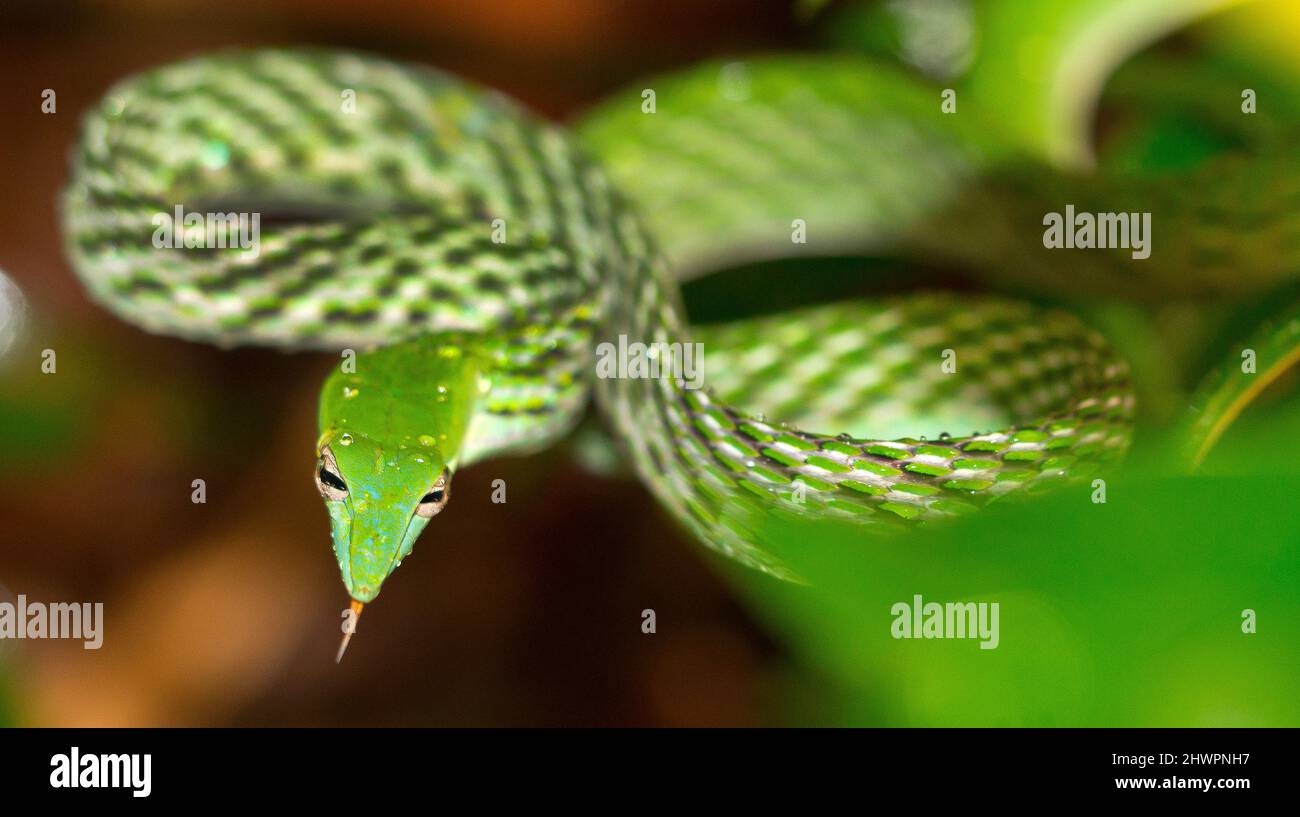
(378,541)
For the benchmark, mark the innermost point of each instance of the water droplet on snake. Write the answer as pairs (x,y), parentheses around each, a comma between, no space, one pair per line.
(345,439)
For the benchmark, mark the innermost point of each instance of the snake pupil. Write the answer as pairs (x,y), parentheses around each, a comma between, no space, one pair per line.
(332,480)
(432,496)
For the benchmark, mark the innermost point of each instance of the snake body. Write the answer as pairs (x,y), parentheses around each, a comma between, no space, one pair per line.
(452,238)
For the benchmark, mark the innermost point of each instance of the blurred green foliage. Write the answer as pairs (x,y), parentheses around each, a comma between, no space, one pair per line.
(1123,613)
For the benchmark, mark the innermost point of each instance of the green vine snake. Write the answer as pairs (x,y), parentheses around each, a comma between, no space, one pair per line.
(474,257)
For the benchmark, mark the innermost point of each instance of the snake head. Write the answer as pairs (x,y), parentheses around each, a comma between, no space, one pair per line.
(379,497)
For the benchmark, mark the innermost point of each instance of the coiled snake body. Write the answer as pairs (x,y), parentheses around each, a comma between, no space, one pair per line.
(474,257)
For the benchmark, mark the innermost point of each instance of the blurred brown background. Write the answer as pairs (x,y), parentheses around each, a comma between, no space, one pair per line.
(227,613)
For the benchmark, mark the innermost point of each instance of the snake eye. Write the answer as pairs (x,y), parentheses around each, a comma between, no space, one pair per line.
(332,480)
(328,481)
(434,501)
